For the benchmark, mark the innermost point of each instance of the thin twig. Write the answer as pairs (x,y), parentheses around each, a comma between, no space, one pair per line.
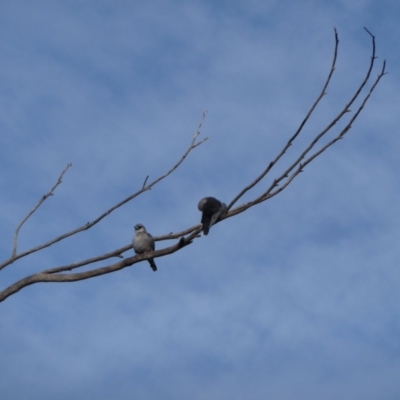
(79,264)
(145,181)
(344,111)
(301,126)
(50,193)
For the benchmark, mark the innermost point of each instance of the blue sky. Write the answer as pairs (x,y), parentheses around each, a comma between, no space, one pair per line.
(298,298)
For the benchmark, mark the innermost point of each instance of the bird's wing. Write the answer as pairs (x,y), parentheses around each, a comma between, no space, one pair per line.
(211,206)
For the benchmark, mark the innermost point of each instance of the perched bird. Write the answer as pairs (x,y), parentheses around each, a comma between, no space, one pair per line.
(211,209)
(143,242)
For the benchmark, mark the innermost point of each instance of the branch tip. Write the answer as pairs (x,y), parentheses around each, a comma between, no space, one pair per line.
(369,32)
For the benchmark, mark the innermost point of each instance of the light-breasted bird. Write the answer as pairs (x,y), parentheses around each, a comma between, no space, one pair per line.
(143,242)
(211,208)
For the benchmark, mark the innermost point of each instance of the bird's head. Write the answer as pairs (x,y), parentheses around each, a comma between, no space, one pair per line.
(140,228)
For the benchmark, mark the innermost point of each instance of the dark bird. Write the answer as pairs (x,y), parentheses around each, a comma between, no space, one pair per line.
(211,209)
(143,242)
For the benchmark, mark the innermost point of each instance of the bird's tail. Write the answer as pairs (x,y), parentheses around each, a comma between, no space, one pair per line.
(153,265)
(206,223)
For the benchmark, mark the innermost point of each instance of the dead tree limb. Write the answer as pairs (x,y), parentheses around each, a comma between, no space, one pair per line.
(89,225)
(187,236)
(41,201)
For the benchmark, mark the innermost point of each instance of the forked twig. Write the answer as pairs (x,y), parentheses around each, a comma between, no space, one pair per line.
(297,163)
(50,193)
(88,225)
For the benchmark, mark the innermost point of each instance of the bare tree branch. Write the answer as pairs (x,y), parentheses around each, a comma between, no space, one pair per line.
(48,276)
(291,140)
(88,225)
(187,236)
(297,163)
(50,193)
